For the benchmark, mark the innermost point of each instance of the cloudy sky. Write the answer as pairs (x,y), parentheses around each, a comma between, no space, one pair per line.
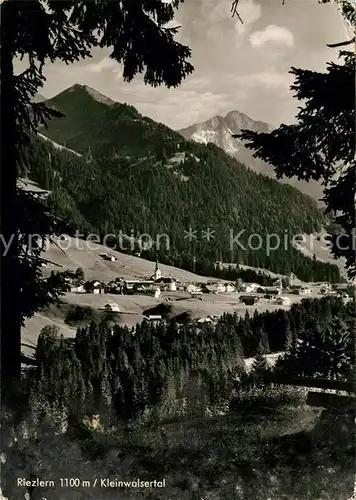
(237,66)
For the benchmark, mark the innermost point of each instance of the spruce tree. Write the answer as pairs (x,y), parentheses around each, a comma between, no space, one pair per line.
(79,273)
(260,366)
(288,335)
(337,339)
(321,145)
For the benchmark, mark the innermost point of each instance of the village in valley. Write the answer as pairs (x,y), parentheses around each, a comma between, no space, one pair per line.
(193,299)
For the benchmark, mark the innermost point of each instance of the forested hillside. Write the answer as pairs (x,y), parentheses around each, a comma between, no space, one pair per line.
(128,372)
(138,175)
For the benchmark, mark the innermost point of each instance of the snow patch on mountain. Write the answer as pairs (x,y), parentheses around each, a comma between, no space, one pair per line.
(204,136)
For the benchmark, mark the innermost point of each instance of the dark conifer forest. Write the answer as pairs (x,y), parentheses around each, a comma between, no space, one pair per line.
(121,371)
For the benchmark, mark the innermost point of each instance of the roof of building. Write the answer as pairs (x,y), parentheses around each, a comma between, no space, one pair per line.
(94,283)
(248,297)
(165,280)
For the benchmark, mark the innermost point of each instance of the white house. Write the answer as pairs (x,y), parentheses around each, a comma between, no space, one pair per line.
(304,290)
(247,287)
(154,318)
(253,286)
(191,288)
(172,286)
(206,320)
(214,288)
(168,284)
(154,292)
(94,287)
(283,301)
(220,288)
(77,288)
(229,287)
(112,307)
(249,300)
(325,288)
(346,299)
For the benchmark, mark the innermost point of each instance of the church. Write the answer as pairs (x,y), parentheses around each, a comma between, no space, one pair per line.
(157,274)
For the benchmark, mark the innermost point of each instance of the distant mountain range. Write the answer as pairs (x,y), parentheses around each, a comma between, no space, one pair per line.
(109,168)
(219,131)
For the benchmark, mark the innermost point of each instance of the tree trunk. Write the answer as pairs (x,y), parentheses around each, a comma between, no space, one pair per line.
(10,278)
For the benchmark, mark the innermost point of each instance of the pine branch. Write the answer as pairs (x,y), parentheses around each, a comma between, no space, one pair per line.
(234,10)
(341,44)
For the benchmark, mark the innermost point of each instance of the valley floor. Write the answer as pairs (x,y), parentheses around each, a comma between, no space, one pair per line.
(132,309)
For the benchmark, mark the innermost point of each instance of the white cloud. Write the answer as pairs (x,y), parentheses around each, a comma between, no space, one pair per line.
(165,105)
(272,34)
(231,73)
(220,11)
(250,12)
(218,22)
(104,64)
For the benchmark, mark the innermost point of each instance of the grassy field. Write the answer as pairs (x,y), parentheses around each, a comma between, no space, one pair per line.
(74,252)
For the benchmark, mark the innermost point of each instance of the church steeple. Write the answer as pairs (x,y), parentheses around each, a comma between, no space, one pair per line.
(157,274)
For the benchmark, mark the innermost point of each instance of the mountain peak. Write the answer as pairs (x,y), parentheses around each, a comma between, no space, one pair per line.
(92,92)
(219,130)
(233,122)
(236,112)
(237,119)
